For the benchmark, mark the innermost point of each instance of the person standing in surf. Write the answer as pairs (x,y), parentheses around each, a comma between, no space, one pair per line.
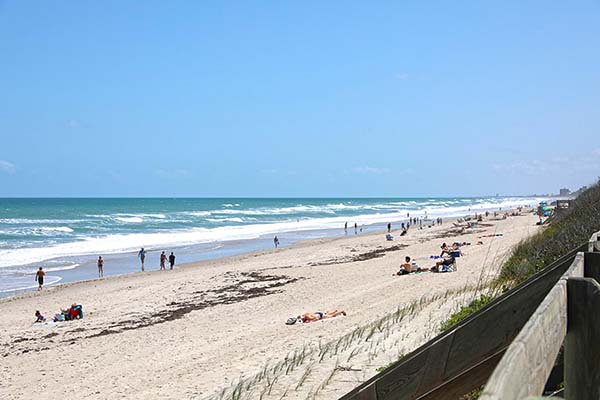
(39,277)
(100,267)
(163,260)
(142,257)
(276,241)
(172,260)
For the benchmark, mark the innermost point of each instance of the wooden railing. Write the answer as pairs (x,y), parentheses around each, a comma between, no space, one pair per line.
(463,358)
(569,314)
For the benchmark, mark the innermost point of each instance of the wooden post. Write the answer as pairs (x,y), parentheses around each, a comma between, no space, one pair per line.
(594,243)
(591,266)
(582,346)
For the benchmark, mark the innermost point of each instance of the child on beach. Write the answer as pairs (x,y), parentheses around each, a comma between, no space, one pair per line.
(39,317)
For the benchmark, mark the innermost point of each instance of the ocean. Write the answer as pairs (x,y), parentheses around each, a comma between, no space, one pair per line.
(65,236)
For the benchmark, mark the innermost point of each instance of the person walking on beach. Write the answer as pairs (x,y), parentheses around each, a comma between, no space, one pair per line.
(276,241)
(142,256)
(163,261)
(172,260)
(389,227)
(100,267)
(346,228)
(39,277)
(355,228)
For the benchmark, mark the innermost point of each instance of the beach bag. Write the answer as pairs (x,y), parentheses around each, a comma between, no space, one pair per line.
(291,321)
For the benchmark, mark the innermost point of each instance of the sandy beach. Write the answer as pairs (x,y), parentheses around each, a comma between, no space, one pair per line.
(217,328)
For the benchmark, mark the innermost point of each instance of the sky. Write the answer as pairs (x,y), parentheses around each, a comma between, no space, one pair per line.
(298,99)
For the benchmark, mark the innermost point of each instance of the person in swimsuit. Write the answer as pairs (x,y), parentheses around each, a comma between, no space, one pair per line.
(39,317)
(163,260)
(317,316)
(405,268)
(172,260)
(100,267)
(142,256)
(39,277)
(443,262)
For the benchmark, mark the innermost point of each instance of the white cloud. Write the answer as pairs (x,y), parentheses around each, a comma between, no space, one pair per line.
(582,163)
(72,123)
(370,170)
(401,76)
(532,167)
(172,173)
(8,167)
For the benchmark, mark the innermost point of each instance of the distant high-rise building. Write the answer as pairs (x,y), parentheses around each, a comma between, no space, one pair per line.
(564,192)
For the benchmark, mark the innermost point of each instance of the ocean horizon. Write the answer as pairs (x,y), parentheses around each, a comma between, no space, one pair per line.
(66,235)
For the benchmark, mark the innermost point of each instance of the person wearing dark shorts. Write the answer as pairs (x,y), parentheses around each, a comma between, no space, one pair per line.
(100,267)
(172,260)
(39,277)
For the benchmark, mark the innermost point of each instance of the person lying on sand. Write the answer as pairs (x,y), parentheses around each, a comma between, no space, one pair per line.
(316,316)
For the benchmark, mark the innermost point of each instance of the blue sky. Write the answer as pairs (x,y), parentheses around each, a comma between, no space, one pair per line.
(190,98)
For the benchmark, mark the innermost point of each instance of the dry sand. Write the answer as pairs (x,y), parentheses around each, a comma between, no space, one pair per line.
(216,328)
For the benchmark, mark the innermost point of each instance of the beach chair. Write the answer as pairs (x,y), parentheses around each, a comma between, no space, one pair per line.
(453,267)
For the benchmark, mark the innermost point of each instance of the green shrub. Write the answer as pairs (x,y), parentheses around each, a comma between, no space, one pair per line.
(473,395)
(400,357)
(465,311)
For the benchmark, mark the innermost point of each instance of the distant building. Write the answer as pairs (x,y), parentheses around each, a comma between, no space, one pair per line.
(564,192)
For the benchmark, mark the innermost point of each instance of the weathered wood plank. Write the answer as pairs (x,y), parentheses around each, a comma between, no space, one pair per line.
(474,340)
(524,369)
(472,378)
(582,351)
(528,361)
(592,266)
(594,243)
